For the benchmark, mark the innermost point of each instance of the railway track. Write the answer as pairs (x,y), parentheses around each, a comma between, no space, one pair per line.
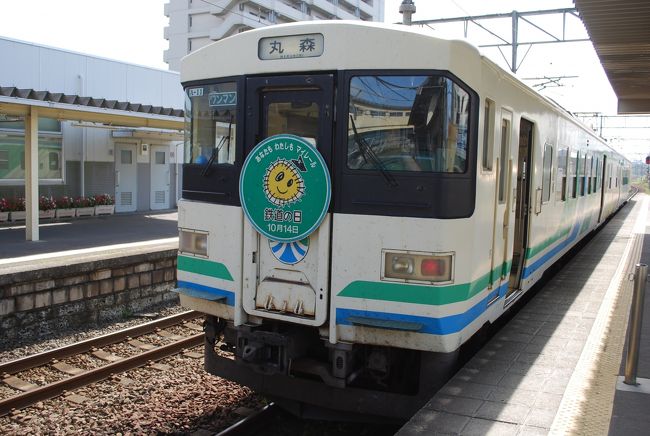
(77,377)
(251,424)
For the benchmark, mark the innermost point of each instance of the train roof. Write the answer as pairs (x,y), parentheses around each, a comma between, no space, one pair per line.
(347,45)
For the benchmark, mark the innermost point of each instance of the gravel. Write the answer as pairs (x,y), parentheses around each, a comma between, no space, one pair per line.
(182,400)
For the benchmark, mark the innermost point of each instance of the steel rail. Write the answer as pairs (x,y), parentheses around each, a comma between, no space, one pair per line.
(252,423)
(55,389)
(46,357)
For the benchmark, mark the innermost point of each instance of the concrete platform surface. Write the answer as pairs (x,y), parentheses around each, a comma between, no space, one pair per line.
(553,368)
(61,242)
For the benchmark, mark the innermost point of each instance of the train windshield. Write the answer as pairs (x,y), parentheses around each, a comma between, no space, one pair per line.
(211,126)
(407,123)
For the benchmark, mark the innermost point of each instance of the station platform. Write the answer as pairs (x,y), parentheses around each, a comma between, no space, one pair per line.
(556,367)
(71,241)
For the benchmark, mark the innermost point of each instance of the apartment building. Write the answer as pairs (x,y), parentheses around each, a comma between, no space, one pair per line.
(196,23)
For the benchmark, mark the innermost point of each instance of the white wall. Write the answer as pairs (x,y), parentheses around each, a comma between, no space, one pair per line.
(26,65)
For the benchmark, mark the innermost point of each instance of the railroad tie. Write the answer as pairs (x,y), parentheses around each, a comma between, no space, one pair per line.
(108,357)
(168,335)
(19,384)
(141,345)
(67,369)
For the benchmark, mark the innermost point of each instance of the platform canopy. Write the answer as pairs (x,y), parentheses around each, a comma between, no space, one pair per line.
(620,33)
(30,104)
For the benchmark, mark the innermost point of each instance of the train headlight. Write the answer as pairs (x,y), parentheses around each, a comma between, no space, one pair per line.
(193,242)
(402,265)
(417,266)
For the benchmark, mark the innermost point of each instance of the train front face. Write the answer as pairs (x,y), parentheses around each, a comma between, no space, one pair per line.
(325,213)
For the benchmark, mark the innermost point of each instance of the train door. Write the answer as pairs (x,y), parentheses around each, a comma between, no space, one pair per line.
(501,212)
(602,187)
(522,205)
(289,280)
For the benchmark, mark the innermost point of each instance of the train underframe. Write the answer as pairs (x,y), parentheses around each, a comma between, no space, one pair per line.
(312,378)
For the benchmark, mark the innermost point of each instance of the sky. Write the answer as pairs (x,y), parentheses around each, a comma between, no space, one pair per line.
(132,31)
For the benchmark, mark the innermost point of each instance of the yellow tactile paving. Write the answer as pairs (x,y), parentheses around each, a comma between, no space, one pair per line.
(586,406)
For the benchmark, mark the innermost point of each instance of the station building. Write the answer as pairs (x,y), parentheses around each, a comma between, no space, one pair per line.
(138,165)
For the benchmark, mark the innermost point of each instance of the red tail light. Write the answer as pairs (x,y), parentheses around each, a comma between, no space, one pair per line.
(432,267)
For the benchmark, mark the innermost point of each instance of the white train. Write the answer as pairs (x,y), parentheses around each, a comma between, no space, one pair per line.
(360,199)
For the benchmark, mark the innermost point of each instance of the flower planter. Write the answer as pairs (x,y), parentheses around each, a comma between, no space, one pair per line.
(85,211)
(17,216)
(65,213)
(45,214)
(105,209)
(4,217)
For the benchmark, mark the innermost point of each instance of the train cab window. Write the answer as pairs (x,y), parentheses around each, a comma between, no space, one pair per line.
(562,164)
(488,135)
(300,119)
(413,123)
(546,173)
(211,124)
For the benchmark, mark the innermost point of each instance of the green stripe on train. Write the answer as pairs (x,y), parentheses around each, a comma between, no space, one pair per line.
(204,267)
(419,294)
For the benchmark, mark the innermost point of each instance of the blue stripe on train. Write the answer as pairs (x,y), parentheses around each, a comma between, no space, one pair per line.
(435,326)
(230,296)
(545,258)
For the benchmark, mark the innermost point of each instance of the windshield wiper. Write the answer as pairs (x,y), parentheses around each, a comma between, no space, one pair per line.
(225,140)
(369,155)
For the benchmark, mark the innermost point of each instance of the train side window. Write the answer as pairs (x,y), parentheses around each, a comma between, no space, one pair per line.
(546,173)
(583,176)
(575,160)
(562,163)
(587,175)
(609,171)
(503,156)
(594,174)
(488,135)
(4,159)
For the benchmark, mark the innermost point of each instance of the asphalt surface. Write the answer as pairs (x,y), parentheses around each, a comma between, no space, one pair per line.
(91,232)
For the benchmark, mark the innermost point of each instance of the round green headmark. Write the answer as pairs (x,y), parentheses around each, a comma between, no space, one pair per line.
(285,188)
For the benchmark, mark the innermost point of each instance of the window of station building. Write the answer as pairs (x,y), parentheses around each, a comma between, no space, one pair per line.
(488,136)
(562,164)
(4,159)
(12,152)
(547,166)
(54,161)
(159,157)
(430,135)
(211,124)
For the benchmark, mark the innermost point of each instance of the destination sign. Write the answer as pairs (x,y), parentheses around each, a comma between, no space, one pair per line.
(293,46)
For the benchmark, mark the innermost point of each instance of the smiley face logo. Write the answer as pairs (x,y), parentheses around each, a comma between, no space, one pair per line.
(283,183)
